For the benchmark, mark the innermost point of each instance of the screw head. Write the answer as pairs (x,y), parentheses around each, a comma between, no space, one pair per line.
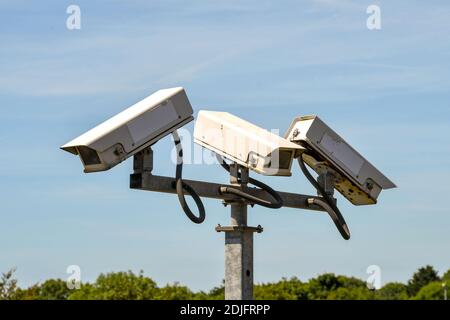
(253,160)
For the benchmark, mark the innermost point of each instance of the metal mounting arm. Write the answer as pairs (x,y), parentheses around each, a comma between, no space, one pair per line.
(325,187)
(150,182)
(238,235)
(143,179)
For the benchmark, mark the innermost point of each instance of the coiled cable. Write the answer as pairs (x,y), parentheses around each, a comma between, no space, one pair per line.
(327,204)
(182,186)
(276,204)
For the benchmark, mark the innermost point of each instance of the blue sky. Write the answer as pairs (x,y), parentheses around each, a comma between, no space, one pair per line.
(386,91)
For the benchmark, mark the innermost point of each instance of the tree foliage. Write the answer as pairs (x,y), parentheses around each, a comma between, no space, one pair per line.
(54,290)
(421,278)
(446,277)
(432,291)
(292,289)
(8,285)
(425,284)
(118,286)
(175,292)
(393,291)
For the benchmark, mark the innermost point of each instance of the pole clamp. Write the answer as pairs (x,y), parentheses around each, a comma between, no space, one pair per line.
(257,229)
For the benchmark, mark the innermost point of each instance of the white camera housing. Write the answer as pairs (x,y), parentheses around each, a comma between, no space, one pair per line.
(132,130)
(355,177)
(245,143)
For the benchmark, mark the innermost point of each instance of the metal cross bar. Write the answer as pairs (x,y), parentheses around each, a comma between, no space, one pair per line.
(150,182)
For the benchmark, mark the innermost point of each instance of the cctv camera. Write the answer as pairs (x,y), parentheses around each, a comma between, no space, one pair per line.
(132,130)
(355,178)
(244,143)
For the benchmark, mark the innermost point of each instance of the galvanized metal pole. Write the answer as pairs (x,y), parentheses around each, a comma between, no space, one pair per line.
(238,244)
(239,257)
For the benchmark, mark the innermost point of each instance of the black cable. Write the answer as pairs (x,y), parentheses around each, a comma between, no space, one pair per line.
(328,205)
(182,186)
(278,202)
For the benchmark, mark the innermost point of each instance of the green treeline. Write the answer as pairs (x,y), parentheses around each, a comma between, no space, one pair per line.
(425,284)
